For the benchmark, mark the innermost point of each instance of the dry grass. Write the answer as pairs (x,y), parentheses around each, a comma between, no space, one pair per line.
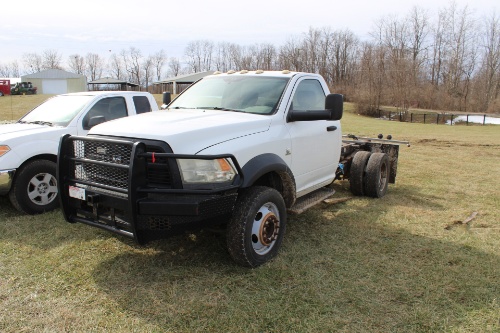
(396,264)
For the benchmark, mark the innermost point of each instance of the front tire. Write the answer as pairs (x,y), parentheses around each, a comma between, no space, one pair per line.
(257,226)
(35,188)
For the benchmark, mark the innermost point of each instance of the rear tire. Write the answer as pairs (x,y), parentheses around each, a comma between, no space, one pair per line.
(357,172)
(34,190)
(377,175)
(257,226)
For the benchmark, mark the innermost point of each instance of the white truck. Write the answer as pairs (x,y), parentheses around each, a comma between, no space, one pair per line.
(28,148)
(237,149)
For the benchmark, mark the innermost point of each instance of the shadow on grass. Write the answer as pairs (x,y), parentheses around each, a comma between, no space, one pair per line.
(335,272)
(43,231)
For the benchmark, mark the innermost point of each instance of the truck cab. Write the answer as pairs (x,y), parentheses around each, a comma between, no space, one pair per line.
(238,150)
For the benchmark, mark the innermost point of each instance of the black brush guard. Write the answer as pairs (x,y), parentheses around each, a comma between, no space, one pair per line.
(118,186)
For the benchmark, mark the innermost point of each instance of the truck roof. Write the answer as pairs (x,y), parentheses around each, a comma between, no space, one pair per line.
(98,93)
(283,73)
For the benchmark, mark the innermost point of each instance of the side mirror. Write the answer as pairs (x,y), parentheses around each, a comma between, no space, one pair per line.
(335,103)
(167,98)
(95,121)
(334,108)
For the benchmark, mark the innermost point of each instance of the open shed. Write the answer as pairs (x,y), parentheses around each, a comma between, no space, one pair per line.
(175,85)
(108,83)
(56,81)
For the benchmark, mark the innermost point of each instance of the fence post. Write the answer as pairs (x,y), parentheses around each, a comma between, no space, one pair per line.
(451,122)
(424,117)
(437,119)
(484,120)
(467,123)
(411,117)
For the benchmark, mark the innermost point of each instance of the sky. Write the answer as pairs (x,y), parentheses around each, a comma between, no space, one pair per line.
(110,26)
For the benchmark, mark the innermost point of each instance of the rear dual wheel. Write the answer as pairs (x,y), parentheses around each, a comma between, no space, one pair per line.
(369,174)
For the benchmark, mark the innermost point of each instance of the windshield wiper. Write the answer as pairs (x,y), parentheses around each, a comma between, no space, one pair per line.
(40,122)
(219,109)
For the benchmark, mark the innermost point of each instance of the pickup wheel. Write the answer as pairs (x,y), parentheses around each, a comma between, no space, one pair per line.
(34,190)
(257,226)
(377,175)
(357,172)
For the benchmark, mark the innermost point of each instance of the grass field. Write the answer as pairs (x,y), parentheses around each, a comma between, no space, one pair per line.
(403,263)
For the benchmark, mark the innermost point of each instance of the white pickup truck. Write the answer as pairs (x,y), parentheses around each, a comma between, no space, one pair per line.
(238,150)
(28,148)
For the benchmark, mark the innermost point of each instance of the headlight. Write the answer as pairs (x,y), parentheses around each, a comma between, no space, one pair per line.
(196,171)
(4,149)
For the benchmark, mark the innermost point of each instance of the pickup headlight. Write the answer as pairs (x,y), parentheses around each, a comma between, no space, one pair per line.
(199,172)
(4,149)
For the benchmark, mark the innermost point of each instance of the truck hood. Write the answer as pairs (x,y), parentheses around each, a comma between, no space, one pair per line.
(186,131)
(14,131)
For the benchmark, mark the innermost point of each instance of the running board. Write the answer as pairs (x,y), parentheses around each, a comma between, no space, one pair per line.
(311,199)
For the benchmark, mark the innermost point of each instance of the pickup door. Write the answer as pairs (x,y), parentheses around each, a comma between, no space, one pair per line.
(110,108)
(315,145)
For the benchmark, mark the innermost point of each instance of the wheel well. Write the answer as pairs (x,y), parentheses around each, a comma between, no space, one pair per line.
(52,158)
(282,182)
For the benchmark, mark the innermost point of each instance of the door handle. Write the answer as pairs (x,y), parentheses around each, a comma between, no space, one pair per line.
(331,128)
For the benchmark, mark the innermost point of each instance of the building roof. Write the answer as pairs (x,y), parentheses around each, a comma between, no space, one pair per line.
(109,80)
(188,78)
(53,74)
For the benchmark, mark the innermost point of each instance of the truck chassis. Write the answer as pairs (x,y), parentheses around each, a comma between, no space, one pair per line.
(132,188)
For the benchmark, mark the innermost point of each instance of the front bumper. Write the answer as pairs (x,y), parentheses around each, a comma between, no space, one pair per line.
(118,186)
(6,179)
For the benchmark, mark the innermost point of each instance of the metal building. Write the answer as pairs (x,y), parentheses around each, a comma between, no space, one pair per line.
(175,85)
(56,81)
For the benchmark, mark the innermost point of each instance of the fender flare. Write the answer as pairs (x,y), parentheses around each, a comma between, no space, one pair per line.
(266,163)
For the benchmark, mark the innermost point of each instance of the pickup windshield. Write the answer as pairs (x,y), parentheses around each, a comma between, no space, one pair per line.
(57,111)
(251,94)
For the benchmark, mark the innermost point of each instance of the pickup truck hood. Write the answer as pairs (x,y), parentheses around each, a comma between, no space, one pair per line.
(34,131)
(186,131)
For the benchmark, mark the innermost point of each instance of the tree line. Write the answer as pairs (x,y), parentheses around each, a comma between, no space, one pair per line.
(448,62)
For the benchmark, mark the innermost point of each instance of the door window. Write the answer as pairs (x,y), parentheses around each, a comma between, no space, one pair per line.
(309,96)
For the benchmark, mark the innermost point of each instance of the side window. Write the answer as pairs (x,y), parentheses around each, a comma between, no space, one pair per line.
(309,96)
(141,104)
(109,108)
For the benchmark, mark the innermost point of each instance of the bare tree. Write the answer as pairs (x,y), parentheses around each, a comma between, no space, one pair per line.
(51,59)
(222,59)
(174,67)
(491,62)
(32,62)
(290,54)
(10,70)
(115,66)
(76,63)
(132,64)
(147,71)
(95,66)
(158,61)
(199,55)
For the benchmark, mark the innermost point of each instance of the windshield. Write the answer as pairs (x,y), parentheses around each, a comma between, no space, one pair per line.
(252,94)
(57,111)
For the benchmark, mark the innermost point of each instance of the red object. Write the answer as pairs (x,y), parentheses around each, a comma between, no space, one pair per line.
(153,158)
(4,87)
